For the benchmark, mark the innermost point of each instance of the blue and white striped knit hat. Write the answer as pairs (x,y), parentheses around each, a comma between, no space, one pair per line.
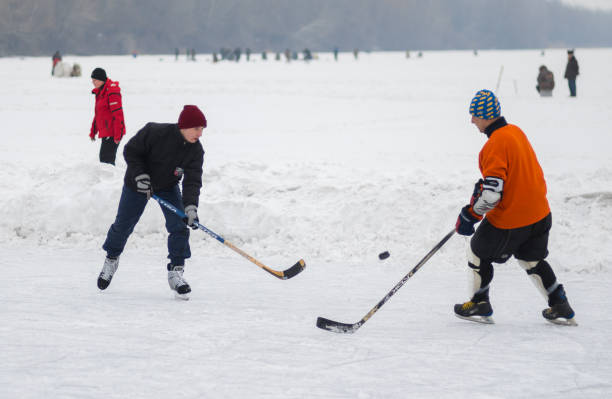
(485,105)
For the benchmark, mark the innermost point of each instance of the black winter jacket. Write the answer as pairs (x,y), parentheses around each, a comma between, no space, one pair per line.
(571,70)
(160,151)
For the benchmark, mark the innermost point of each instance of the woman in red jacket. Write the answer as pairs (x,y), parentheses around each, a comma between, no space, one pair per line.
(108,120)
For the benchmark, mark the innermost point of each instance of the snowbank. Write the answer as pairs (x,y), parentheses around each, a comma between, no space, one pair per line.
(326,161)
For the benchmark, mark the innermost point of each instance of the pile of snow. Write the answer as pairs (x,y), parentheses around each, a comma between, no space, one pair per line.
(331,161)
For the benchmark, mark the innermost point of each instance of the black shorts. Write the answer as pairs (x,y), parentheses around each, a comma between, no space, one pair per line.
(108,150)
(529,243)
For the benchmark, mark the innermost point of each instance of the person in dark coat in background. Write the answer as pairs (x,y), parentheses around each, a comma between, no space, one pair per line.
(108,120)
(571,72)
(157,157)
(546,82)
(307,54)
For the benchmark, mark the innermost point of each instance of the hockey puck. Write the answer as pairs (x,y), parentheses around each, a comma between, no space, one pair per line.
(383,255)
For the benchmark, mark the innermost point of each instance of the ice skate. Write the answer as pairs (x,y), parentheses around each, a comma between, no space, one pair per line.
(108,270)
(559,311)
(177,283)
(479,312)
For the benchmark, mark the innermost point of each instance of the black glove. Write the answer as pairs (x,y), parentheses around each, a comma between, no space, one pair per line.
(143,185)
(191,211)
(465,222)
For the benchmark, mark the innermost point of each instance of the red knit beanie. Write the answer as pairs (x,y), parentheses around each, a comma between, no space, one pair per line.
(191,116)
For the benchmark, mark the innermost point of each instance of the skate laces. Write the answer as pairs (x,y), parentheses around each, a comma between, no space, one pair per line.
(110,267)
(175,277)
(467,305)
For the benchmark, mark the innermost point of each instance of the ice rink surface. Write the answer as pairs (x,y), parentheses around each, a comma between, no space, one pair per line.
(333,162)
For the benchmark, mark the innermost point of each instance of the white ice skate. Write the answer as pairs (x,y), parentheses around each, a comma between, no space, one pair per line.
(108,270)
(177,283)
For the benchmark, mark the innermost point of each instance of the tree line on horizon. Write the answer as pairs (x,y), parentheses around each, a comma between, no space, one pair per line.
(85,27)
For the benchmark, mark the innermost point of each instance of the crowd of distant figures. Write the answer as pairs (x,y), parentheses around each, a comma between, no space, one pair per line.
(63,69)
(237,54)
(545,78)
(228,54)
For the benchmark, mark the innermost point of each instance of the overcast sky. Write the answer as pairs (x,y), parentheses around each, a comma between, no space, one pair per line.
(594,4)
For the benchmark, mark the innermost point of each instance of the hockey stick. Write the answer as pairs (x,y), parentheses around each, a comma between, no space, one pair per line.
(283,275)
(338,327)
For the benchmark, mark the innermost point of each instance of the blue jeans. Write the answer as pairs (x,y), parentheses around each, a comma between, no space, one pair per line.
(131,207)
(572,86)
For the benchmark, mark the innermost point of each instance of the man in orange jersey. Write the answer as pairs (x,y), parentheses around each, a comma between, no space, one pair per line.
(512,195)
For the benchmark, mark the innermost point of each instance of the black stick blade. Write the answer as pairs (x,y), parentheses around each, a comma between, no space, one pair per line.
(336,327)
(294,270)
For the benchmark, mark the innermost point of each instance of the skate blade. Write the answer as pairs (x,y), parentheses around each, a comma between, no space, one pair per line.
(563,322)
(183,297)
(477,319)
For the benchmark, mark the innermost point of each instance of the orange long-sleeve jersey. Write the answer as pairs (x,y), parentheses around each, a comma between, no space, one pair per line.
(509,156)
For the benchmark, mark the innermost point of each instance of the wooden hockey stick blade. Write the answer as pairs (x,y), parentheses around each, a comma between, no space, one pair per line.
(337,327)
(294,270)
(285,274)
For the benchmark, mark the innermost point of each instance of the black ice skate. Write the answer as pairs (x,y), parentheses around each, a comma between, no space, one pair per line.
(177,282)
(108,270)
(479,312)
(560,311)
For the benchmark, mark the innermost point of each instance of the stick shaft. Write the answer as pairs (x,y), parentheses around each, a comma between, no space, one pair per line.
(335,326)
(222,240)
(407,276)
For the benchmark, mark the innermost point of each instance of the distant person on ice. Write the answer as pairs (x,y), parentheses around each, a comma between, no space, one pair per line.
(108,121)
(157,157)
(512,195)
(55,59)
(571,72)
(546,82)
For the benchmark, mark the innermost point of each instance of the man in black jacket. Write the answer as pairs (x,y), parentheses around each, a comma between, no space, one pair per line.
(157,157)
(571,72)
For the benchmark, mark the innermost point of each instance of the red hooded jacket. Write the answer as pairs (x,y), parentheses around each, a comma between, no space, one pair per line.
(108,119)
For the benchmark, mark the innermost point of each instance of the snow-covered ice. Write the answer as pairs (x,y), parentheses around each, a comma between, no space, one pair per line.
(332,162)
